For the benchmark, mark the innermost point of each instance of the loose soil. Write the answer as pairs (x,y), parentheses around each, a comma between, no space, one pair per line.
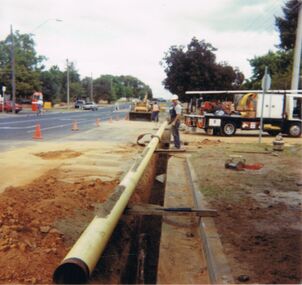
(40,221)
(260,212)
(59,154)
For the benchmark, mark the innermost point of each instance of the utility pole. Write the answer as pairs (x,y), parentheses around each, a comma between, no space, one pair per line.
(13,69)
(67,83)
(297,52)
(91,89)
(266,84)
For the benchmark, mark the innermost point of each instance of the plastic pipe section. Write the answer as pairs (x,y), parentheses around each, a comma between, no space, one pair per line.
(80,261)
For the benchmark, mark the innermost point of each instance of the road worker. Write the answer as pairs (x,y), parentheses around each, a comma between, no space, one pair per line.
(155,112)
(175,113)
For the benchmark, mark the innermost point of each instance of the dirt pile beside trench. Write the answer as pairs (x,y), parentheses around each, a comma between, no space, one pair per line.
(31,243)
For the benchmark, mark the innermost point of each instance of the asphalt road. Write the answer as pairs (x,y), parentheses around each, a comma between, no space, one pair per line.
(54,125)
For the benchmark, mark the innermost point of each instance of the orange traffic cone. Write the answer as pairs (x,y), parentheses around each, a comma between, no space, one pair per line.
(110,120)
(74,126)
(37,134)
(127,117)
(97,122)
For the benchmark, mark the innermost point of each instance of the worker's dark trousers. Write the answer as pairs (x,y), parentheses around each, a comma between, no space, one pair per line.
(175,133)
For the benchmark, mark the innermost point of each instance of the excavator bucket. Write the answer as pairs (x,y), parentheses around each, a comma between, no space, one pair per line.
(140,116)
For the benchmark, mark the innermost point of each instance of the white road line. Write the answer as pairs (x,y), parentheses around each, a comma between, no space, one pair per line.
(44,119)
(17,128)
(60,126)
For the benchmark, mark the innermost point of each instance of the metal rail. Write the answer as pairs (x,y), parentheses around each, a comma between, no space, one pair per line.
(79,263)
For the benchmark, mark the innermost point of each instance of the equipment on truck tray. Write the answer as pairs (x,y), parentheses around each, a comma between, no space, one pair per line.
(223,112)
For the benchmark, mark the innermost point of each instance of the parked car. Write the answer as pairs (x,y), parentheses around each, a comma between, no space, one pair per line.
(90,106)
(8,107)
(79,104)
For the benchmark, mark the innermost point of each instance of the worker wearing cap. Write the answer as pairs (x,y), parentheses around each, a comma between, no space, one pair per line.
(175,113)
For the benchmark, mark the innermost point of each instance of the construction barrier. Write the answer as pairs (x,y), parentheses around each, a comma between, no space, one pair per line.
(47,105)
(97,122)
(74,126)
(37,133)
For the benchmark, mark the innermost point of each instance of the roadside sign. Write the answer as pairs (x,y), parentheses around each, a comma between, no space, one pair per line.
(266,82)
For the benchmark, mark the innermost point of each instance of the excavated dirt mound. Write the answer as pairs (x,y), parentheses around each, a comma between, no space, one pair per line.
(58,154)
(39,222)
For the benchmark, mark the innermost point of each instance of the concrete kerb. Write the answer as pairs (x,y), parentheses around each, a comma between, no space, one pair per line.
(218,268)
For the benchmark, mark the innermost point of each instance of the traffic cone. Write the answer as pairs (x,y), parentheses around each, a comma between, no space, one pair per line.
(127,117)
(37,134)
(97,122)
(110,120)
(74,126)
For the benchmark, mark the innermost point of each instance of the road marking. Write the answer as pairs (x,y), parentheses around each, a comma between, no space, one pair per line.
(47,119)
(17,128)
(62,126)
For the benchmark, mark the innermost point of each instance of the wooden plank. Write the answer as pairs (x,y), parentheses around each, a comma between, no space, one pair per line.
(149,210)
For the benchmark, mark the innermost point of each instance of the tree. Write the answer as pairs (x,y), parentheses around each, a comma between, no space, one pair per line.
(279,63)
(279,67)
(75,88)
(195,68)
(86,85)
(103,89)
(52,80)
(28,65)
(287,25)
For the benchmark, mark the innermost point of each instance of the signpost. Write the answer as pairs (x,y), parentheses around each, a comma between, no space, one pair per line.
(266,84)
(2,99)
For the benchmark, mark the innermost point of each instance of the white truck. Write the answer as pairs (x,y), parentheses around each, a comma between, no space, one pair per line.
(281,112)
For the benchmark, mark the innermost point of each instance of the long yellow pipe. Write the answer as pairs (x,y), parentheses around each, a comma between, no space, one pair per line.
(80,261)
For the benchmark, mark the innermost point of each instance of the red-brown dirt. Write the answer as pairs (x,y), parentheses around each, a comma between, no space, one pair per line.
(32,217)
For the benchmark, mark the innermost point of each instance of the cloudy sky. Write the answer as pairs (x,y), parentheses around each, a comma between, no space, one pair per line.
(130,37)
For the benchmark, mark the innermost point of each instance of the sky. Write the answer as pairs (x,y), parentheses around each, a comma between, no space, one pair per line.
(130,37)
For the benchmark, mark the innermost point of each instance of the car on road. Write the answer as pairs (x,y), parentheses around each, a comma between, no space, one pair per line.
(90,106)
(79,104)
(8,107)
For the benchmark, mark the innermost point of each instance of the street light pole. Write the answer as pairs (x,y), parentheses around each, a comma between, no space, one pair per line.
(91,89)
(13,69)
(67,83)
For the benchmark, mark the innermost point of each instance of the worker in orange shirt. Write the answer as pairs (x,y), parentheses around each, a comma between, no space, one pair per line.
(155,112)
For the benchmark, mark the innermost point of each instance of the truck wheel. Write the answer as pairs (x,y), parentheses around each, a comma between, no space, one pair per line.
(229,129)
(295,130)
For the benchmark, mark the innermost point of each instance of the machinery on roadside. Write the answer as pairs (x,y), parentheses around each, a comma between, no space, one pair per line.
(223,112)
(141,110)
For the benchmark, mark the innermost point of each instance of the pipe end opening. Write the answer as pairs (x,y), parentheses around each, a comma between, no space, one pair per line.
(71,271)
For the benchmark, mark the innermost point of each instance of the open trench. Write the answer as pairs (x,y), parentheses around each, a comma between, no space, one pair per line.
(131,256)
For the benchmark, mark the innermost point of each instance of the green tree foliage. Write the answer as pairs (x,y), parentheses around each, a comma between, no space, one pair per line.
(28,65)
(111,88)
(279,67)
(195,68)
(279,63)
(287,25)
(52,80)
